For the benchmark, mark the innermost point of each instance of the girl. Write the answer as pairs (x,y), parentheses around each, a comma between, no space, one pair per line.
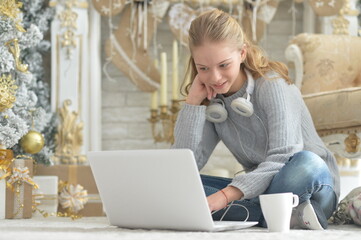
(238,96)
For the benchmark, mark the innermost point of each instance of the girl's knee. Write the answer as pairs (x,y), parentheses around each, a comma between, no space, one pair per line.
(308,163)
(305,168)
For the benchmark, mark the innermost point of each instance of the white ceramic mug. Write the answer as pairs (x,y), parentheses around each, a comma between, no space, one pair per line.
(277,210)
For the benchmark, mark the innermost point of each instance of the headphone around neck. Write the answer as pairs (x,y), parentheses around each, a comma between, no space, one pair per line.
(216,111)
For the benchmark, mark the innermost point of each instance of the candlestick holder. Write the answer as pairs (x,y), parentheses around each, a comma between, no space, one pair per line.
(163,121)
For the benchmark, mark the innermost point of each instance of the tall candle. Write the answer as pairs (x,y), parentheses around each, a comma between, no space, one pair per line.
(163,79)
(175,71)
(156,63)
(154,102)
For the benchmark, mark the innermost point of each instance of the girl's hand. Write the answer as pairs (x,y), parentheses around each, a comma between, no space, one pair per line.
(198,92)
(217,201)
(220,199)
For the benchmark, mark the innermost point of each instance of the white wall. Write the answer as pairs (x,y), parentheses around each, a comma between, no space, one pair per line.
(126,109)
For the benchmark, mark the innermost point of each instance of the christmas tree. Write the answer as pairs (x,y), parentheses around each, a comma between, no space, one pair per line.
(25,117)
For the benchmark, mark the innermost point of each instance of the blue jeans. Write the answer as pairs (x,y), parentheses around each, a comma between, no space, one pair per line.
(305,174)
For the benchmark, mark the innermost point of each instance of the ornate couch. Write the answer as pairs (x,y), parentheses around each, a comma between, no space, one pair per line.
(328,73)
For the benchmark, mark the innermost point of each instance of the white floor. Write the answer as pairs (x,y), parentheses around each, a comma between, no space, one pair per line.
(98,228)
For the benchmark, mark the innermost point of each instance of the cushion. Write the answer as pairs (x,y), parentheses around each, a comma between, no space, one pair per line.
(335,109)
(331,62)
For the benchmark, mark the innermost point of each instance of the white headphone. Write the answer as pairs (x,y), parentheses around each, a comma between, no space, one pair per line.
(216,111)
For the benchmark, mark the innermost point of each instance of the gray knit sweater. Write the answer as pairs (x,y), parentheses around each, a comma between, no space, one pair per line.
(280,127)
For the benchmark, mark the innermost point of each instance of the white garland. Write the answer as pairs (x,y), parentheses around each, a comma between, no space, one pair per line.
(16,122)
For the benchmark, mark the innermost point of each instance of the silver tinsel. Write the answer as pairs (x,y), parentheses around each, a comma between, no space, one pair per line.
(7,29)
(7,62)
(32,37)
(12,128)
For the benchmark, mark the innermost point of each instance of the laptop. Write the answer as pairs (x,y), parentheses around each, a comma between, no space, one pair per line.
(154,189)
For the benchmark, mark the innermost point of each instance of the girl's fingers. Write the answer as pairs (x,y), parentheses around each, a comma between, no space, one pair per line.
(209,92)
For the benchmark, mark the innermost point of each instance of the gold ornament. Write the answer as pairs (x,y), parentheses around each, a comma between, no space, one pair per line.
(68,41)
(352,143)
(347,10)
(32,142)
(68,21)
(6,158)
(14,48)
(340,25)
(69,138)
(10,8)
(7,92)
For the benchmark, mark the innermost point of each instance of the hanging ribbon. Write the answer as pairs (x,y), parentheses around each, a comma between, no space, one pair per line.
(293,11)
(5,162)
(5,167)
(38,200)
(256,4)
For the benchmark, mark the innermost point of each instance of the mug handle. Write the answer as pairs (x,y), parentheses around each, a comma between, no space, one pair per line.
(295,200)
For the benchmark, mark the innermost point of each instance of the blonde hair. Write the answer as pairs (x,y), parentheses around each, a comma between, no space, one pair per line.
(218,26)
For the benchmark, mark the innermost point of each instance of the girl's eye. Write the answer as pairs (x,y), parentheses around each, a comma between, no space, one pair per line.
(203,68)
(224,65)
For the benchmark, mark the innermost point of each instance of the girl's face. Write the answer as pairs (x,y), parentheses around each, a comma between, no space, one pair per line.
(218,66)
